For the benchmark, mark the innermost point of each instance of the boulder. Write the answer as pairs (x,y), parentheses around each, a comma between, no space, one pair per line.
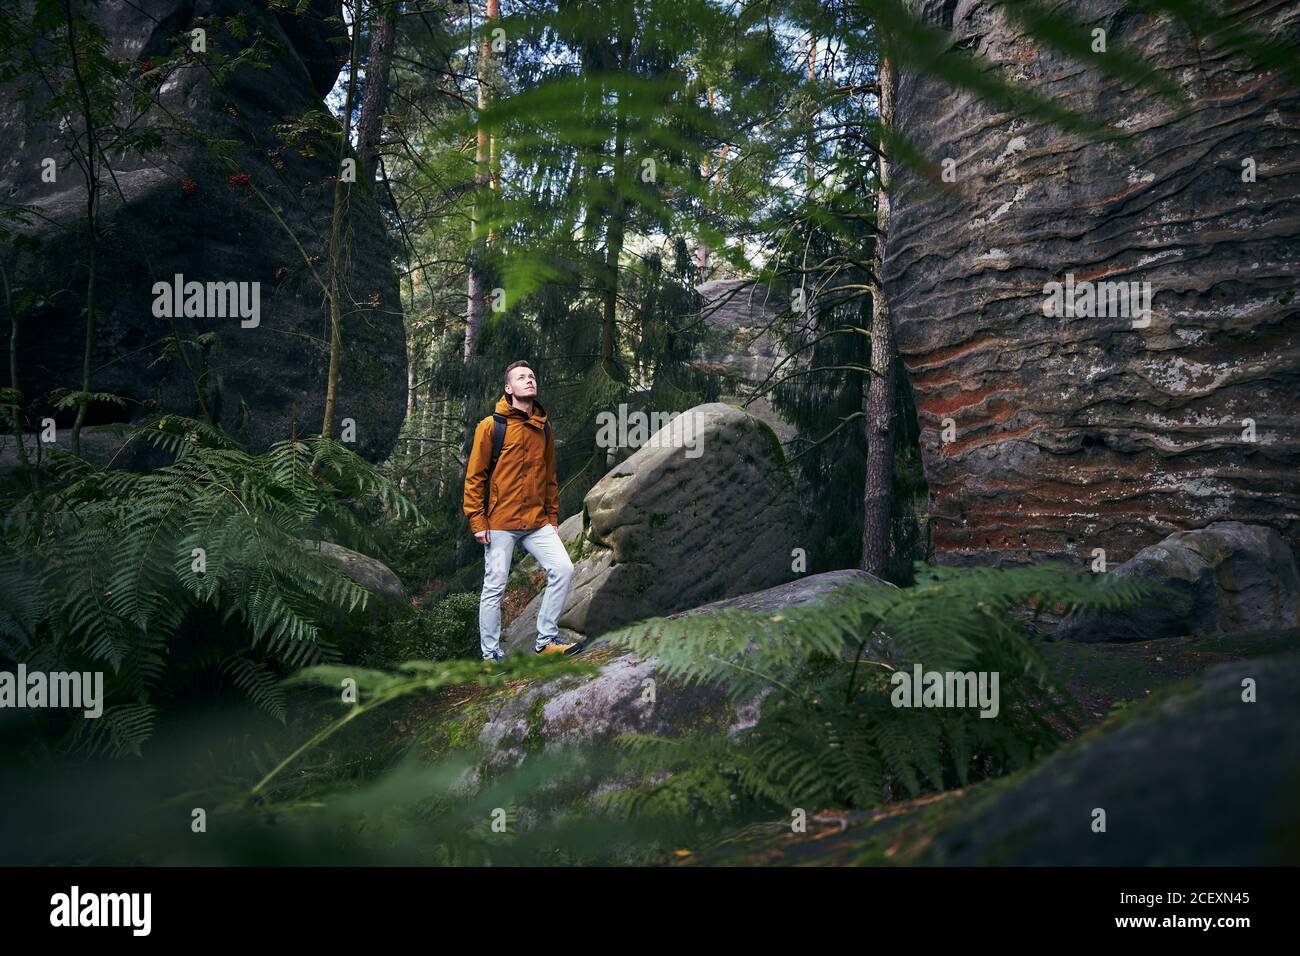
(669,529)
(1075,433)
(371,573)
(1226,577)
(1170,780)
(571,528)
(100,444)
(585,710)
(176,211)
(1195,776)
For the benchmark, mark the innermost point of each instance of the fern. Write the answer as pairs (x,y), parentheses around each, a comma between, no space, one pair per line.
(104,567)
(829,732)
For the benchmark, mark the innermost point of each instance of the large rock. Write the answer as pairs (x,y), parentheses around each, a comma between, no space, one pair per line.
(260,381)
(583,710)
(663,532)
(1172,784)
(1227,577)
(371,573)
(1077,433)
(1196,777)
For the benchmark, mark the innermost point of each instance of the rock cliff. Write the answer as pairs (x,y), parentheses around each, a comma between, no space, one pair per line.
(1069,433)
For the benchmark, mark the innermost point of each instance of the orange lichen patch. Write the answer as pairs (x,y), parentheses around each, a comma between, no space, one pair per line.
(1136,187)
(934,378)
(958,448)
(942,356)
(963,398)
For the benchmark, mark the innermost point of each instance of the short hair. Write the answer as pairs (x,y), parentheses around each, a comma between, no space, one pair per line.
(514,365)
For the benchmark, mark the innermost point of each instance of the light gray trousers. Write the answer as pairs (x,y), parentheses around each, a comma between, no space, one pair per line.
(545,545)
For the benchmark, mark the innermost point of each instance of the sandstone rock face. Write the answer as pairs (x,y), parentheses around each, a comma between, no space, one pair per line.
(738,312)
(1227,577)
(584,710)
(259,381)
(1074,433)
(663,532)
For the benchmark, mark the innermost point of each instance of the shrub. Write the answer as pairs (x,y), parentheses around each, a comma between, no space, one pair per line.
(448,632)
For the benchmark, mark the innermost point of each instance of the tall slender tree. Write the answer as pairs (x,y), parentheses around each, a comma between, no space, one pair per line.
(342,185)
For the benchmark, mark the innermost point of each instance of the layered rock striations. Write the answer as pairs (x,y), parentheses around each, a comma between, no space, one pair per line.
(1068,433)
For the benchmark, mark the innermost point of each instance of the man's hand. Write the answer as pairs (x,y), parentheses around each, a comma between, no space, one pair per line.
(482,537)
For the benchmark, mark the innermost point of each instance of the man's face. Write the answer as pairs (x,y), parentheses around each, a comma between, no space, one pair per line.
(522,383)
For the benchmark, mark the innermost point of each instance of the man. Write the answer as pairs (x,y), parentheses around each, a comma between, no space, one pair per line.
(522,504)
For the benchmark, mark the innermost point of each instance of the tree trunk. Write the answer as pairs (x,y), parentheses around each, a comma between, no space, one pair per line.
(374,99)
(880,396)
(613,251)
(410,393)
(92,201)
(21,450)
(336,235)
(494,152)
(810,144)
(702,251)
(482,156)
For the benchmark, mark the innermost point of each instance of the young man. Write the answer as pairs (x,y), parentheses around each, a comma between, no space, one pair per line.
(522,503)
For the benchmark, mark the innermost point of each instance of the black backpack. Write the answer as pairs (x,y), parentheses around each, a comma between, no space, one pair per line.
(498,440)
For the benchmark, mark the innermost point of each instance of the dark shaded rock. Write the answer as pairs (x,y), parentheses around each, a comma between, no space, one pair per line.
(1192,777)
(262,381)
(1201,779)
(1078,433)
(1227,577)
(664,532)
(100,444)
(371,573)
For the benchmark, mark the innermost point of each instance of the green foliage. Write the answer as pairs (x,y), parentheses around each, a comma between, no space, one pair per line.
(448,632)
(373,688)
(829,732)
(102,568)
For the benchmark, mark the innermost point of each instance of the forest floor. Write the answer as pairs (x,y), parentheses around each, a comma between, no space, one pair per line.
(1104,680)
(1100,676)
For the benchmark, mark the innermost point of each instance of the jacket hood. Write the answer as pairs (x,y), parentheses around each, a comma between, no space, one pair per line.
(505,408)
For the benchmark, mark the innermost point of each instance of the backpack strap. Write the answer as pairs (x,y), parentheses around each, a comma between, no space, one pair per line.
(498,440)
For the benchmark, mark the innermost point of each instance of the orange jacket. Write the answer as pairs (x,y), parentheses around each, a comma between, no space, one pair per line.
(525,494)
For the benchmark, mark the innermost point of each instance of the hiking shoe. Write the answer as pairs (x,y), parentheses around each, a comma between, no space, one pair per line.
(558,647)
(497,655)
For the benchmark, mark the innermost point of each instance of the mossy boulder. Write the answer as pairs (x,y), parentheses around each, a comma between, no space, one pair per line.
(1195,775)
(628,694)
(1219,579)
